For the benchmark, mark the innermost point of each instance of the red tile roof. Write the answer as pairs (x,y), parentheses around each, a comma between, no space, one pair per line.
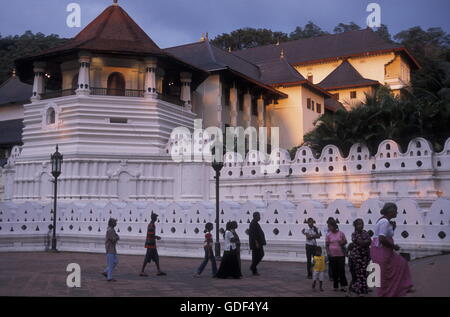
(112,31)
(327,47)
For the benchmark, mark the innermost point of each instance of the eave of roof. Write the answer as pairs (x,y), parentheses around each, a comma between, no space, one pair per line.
(258,83)
(326,48)
(307,83)
(413,61)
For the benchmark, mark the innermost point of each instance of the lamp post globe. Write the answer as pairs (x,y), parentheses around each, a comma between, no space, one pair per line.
(56,160)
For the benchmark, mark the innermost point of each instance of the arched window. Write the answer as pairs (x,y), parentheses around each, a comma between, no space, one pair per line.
(116,85)
(51,116)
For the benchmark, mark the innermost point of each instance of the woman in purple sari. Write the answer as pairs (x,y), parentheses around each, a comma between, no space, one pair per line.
(395,274)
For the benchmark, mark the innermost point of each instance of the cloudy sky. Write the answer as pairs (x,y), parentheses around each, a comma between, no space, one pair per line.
(174,22)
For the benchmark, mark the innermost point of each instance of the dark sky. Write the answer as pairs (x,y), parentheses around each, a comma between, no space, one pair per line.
(175,22)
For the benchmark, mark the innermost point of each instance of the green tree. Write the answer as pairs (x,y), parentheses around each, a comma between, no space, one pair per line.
(383,32)
(383,117)
(309,30)
(431,48)
(343,27)
(248,38)
(13,47)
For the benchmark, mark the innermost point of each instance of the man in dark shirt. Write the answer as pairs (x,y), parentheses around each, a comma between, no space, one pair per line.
(150,245)
(257,241)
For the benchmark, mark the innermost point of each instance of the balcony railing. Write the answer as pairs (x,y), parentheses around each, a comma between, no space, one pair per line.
(117,92)
(171,99)
(96,91)
(57,94)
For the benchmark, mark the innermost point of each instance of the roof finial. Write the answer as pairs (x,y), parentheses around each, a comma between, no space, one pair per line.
(115,2)
(282,54)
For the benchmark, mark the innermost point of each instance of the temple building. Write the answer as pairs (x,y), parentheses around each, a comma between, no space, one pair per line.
(110,98)
(286,85)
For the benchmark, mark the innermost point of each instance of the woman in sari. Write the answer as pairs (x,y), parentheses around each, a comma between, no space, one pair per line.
(230,266)
(395,274)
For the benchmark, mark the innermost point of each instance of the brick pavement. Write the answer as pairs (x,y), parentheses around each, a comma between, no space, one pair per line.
(44,274)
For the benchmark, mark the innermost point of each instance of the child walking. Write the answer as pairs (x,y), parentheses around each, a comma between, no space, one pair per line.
(209,254)
(318,268)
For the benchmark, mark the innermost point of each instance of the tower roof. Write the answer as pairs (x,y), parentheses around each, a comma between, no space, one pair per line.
(112,31)
(345,76)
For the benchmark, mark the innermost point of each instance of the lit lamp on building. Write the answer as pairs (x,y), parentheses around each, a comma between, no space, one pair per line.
(56,160)
(217,166)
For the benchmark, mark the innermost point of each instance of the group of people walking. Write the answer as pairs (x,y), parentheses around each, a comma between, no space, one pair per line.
(230,265)
(380,249)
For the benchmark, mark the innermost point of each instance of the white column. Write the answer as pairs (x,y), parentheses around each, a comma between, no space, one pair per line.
(150,78)
(247,109)
(84,82)
(261,110)
(160,80)
(186,79)
(233,106)
(39,82)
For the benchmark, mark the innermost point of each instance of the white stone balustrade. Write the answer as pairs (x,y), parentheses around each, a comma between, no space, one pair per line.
(181,224)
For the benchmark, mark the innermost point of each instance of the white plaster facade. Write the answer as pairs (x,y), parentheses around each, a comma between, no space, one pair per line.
(92,189)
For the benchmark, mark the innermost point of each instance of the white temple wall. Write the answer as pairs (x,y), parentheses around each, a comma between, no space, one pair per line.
(330,185)
(81,226)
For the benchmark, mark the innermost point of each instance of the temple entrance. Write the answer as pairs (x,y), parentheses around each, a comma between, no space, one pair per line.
(116,85)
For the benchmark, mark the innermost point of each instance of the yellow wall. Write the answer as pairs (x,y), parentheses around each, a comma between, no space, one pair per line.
(291,115)
(348,103)
(376,67)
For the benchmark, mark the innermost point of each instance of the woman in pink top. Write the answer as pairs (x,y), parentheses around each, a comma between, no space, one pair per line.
(335,243)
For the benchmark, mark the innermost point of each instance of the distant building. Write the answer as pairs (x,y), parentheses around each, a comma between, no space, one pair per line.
(13,95)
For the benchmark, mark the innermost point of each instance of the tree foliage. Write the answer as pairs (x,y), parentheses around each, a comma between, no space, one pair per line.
(309,30)
(383,117)
(248,38)
(343,27)
(431,48)
(13,47)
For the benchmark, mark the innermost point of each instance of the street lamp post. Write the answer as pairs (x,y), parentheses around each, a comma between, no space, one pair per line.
(217,166)
(56,160)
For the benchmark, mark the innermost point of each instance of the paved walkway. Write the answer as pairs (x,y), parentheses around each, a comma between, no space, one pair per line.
(44,274)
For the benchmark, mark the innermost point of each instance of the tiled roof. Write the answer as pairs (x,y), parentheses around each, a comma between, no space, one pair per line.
(345,76)
(279,71)
(333,104)
(211,58)
(346,44)
(11,132)
(113,30)
(14,91)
